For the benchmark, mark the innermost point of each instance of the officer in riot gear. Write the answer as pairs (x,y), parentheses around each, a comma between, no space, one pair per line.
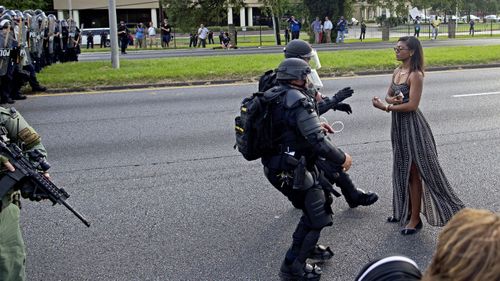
(64,37)
(50,44)
(20,76)
(24,70)
(40,23)
(73,40)
(7,46)
(301,49)
(299,139)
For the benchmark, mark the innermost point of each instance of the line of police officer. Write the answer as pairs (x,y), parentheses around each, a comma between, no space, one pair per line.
(29,41)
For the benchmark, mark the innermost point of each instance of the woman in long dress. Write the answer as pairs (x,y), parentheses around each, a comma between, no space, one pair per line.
(419,184)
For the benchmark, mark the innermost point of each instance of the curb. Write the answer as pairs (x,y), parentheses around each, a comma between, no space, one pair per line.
(232,81)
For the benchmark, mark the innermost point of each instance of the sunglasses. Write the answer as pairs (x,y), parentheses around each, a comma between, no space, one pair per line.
(397,50)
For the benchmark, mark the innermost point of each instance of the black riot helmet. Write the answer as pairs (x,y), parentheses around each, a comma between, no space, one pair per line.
(2,9)
(293,69)
(301,49)
(298,48)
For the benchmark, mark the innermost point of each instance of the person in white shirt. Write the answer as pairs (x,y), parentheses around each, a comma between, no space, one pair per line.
(202,35)
(152,35)
(327,27)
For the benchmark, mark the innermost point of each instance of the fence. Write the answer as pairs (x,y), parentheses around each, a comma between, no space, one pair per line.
(462,29)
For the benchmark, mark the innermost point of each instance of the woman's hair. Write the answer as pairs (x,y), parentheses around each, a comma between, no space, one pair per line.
(468,248)
(417,59)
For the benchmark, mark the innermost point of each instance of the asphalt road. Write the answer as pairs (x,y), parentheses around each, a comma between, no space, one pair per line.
(148,54)
(169,199)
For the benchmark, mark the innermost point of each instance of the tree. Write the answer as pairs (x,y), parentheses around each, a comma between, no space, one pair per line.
(27,4)
(186,15)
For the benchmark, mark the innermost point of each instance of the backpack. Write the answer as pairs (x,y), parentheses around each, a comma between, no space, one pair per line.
(253,128)
(267,81)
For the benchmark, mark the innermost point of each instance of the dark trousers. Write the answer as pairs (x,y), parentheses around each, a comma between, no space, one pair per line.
(165,40)
(202,42)
(295,34)
(123,44)
(5,88)
(90,43)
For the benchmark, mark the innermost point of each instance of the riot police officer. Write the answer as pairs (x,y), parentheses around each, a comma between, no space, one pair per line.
(13,128)
(299,141)
(301,49)
(7,45)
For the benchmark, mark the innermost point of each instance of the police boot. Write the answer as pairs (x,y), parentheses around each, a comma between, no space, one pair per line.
(321,252)
(38,88)
(354,196)
(18,96)
(7,100)
(297,271)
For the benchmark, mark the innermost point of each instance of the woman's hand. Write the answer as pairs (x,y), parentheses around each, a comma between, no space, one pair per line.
(377,102)
(395,99)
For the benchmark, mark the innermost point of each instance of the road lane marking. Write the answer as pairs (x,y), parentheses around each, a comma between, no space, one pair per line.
(477,94)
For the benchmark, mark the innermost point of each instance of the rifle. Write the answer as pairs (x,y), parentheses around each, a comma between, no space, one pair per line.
(35,184)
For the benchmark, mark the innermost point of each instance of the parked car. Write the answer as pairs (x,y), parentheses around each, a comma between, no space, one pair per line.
(97,36)
(492,18)
(472,17)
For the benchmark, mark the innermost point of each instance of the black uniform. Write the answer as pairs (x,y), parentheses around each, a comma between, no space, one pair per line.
(332,172)
(299,141)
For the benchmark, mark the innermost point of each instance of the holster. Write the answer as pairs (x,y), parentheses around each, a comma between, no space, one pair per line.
(302,178)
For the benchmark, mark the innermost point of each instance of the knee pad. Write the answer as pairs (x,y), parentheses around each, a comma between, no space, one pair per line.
(316,209)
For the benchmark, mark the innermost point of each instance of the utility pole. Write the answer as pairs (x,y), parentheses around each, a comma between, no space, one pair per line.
(161,12)
(70,9)
(113,33)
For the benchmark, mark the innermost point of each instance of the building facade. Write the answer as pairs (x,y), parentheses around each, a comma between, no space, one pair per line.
(94,13)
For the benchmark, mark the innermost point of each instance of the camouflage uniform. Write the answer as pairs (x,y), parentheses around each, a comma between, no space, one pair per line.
(12,252)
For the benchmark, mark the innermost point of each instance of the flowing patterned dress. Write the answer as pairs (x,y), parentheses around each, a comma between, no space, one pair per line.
(412,141)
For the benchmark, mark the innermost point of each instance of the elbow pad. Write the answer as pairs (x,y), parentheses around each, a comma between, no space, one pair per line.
(310,127)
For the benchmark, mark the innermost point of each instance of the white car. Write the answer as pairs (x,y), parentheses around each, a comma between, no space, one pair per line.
(472,17)
(491,17)
(97,36)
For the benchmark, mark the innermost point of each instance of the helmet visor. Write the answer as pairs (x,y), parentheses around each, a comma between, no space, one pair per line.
(314,60)
(314,79)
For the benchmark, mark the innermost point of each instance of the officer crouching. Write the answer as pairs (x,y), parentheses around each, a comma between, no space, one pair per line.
(300,139)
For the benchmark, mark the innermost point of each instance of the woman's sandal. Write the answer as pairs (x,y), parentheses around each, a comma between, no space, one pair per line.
(410,231)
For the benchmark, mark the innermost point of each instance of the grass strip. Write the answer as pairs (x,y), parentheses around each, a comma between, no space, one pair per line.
(165,70)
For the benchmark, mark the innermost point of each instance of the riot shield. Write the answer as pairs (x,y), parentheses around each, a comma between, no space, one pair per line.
(52,22)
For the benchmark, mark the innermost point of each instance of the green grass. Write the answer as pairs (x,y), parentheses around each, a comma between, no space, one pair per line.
(164,70)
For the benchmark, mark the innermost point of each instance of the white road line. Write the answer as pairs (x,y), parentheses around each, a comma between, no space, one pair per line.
(478,94)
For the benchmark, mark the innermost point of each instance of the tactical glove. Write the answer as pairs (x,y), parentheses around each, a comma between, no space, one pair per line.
(343,107)
(342,95)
